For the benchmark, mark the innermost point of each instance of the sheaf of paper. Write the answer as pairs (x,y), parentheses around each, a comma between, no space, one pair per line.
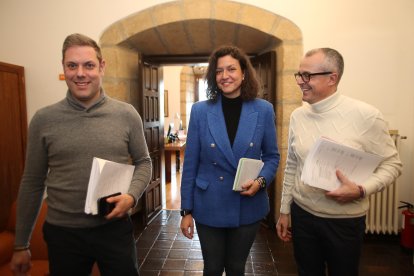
(327,156)
(247,169)
(106,178)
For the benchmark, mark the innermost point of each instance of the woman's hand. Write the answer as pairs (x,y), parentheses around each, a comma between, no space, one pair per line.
(187,226)
(250,188)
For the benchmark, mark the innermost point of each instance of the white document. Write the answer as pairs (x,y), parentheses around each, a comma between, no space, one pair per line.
(106,178)
(247,169)
(327,156)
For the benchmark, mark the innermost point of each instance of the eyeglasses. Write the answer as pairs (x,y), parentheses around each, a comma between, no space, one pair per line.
(305,77)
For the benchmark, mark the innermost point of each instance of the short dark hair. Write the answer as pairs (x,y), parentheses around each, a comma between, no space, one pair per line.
(250,85)
(333,59)
(80,40)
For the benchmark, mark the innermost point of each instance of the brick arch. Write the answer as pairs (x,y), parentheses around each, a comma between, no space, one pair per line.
(121,74)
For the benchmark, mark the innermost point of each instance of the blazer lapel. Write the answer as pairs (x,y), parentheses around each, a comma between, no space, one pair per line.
(245,130)
(218,130)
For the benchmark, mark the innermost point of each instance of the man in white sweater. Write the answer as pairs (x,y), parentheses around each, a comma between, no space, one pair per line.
(328,227)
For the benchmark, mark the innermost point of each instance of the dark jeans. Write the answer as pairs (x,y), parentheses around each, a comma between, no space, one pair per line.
(226,249)
(322,244)
(73,251)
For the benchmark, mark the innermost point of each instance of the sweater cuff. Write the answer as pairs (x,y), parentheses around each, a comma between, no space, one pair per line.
(135,200)
(285,209)
(21,248)
(370,188)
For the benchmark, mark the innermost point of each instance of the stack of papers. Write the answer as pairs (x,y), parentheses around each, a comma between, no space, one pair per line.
(106,178)
(326,156)
(247,169)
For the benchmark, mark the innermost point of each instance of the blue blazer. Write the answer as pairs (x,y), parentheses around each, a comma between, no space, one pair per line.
(210,163)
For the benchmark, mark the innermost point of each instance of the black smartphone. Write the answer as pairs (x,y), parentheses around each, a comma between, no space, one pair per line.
(104,208)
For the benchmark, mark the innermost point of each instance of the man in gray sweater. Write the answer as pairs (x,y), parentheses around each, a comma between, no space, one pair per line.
(63,140)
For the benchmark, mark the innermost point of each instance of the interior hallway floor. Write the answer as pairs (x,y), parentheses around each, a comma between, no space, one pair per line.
(164,251)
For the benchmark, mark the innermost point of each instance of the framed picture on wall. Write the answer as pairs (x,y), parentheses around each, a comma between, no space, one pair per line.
(165,103)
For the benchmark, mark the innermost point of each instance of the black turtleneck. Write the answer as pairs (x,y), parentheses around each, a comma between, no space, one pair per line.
(231,110)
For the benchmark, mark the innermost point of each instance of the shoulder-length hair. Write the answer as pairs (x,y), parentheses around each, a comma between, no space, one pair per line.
(250,85)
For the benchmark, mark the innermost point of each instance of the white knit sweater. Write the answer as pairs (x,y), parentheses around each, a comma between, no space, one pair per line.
(346,121)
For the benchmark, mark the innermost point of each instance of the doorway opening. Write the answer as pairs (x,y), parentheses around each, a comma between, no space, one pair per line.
(184,85)
(193,29)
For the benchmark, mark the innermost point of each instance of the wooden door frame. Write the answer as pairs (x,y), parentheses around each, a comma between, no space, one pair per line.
(152,197)
(11,172)
(267,75)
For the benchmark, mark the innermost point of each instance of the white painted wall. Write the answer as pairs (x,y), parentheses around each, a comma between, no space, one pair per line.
(375,37)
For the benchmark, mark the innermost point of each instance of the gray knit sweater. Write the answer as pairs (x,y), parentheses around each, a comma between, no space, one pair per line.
(63,139)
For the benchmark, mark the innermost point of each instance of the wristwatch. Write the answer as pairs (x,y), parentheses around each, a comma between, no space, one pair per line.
(185,212)
(262,182)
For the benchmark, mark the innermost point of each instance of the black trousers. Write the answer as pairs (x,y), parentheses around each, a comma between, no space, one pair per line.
(226,249)
(73,251)
(326,244)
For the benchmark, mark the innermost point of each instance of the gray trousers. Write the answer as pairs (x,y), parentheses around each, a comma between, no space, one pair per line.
(226,249)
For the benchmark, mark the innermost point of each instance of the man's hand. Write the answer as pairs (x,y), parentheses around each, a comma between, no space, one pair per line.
(20,263)
(347,192)
(123,203)
(187,226)
(282,228)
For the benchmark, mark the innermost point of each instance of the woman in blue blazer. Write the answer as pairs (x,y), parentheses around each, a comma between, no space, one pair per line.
(230,125)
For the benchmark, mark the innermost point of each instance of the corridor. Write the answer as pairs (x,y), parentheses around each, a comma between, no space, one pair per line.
(164,251)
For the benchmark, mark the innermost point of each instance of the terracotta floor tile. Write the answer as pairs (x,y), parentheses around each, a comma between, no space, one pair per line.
(174,264)
(178,253)
(196,265)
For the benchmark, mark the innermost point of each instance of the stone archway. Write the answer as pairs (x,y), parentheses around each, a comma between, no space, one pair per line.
(192,27)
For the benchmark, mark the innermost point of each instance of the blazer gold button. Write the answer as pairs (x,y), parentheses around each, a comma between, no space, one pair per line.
(221,178)
(251,144)
(212,145)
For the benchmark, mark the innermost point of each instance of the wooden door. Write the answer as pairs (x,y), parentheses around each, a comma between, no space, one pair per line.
(265,65)
(150,96)
(13,133)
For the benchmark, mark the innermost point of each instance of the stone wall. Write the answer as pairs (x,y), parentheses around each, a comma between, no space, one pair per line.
(122,61)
